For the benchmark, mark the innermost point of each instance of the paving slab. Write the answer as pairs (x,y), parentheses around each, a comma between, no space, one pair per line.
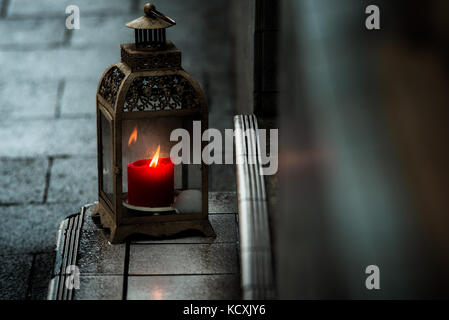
(96,256)
(22,180)
(31,32)
(79,98)
(98,31)
(28,99)
(191,287)
(30,228)
(52,8)
(61,62)
(160,259)
(14,274)
(99,288)
(42,273)
(73,180)
(31,138)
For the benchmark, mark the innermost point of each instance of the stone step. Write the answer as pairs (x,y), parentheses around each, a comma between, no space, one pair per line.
(187,266)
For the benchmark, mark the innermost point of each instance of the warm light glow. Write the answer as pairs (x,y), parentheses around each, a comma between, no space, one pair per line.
(153,163)
(133,137)
(157,293)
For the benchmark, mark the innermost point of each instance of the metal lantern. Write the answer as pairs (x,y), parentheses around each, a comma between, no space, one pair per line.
(140,101)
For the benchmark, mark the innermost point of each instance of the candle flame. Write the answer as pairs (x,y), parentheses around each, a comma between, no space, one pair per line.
(133,137)
(153,163)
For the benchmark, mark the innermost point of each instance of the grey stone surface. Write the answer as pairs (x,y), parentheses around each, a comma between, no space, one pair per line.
(48,137)
(99,288)
(22,180)
(224,226)
(32,32)
(81,63)
(42,272)
(14,275)
(104,27)
(52,8)
(74,180)
(98,257)
(38,54)
(30,228)
(191,287)
(222,202)
(79,98)
(160,259)
(32,99)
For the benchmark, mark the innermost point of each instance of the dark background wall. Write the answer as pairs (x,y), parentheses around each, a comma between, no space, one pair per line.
(243,12)
(363,166)
(256,52)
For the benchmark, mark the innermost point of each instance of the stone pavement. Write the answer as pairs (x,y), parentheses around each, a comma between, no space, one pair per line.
(182,267)
(47,103)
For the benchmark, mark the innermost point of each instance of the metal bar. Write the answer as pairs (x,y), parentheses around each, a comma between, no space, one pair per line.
(71,256)
(61,284)
(68,245)
(76,243)
(256,261)
(60,246)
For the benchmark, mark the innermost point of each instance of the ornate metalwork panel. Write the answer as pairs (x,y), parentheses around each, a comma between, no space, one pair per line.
(169,92)
(152,61)
(110,84)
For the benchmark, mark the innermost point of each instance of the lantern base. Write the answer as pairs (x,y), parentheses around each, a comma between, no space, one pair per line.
(118,233)
(159,210)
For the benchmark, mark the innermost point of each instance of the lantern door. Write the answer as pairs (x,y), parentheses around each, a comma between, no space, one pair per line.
(106,176)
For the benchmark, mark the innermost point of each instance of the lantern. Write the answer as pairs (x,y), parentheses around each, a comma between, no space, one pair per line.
(140,102)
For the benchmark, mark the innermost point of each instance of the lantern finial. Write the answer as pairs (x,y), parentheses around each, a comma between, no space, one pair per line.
(152,19)
(149,30)
(148,9)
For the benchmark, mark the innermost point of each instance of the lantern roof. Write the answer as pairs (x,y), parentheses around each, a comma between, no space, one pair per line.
(152,19)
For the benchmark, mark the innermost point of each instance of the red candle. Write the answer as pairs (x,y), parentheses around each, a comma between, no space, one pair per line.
(151,182)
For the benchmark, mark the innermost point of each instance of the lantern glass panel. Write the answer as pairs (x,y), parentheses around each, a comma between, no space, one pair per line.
(106,158)
(140,141)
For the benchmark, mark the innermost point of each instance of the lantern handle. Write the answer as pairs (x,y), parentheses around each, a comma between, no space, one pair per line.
(150,10)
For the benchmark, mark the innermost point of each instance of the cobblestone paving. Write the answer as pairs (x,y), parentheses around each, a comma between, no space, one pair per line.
(47,107)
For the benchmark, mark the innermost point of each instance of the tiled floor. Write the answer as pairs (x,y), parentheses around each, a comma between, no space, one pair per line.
(187,267)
